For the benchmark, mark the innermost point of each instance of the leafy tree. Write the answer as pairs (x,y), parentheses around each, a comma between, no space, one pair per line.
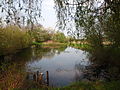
(98,19)
(40,35)
(59,37)
(20,12)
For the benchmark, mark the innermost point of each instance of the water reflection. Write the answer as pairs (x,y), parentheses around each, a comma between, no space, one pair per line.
(105,65)
(62,65)
(65,65)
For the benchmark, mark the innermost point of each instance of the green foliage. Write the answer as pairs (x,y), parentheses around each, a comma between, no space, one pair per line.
(100,23)
(13,38)
(12,9)
(112,29)
(36,43)
(59,37)
(40,35)
(80,46)
(113,85)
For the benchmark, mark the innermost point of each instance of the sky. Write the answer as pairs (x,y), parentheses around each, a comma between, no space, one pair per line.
(48,14)
(49,18)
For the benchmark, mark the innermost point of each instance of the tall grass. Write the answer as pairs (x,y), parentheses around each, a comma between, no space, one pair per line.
(13,38)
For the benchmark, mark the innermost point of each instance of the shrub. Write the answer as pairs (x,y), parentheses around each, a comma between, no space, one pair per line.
(40,35)
(13,38)
(59,37)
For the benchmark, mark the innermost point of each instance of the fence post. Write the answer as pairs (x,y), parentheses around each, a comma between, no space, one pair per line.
(35,77)
(47,77)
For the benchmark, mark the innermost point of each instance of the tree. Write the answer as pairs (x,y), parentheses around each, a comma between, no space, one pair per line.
(40,34)
(94,17)
(59,37)
(20,12)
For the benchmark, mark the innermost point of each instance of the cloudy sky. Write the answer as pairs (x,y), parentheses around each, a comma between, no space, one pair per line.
(49,18)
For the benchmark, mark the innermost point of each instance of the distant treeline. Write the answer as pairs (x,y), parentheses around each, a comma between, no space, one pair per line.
(40,34)
(13,38)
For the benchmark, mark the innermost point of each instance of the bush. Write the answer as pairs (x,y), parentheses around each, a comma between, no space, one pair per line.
(13,38)
(40,35)
(59,37)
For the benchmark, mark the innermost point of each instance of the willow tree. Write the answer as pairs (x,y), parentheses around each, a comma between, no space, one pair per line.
(20,12)
(98,19)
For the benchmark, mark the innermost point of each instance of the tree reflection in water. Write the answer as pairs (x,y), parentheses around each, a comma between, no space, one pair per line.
(13,66)
(104,66)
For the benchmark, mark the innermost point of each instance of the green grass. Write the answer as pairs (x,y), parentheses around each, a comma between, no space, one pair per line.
(50,45)
(58,44)
(36,43)
(113,85)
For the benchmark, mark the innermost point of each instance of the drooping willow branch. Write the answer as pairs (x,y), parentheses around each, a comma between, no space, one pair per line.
(20,12)
(84,11)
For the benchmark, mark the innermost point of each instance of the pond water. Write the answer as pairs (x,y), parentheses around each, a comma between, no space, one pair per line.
(64,66)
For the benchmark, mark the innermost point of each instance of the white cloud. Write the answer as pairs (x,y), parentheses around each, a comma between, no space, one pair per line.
(48,14)
(48,3)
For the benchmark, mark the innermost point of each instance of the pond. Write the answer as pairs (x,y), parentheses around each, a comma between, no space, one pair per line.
(65,65)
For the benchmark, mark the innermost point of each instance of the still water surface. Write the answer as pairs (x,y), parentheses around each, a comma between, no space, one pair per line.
(65,66)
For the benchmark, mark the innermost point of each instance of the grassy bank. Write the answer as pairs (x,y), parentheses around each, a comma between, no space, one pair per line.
(113,85)
(58,44)
(50,44)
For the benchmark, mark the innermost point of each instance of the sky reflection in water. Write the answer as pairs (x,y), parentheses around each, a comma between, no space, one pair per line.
(64,67)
